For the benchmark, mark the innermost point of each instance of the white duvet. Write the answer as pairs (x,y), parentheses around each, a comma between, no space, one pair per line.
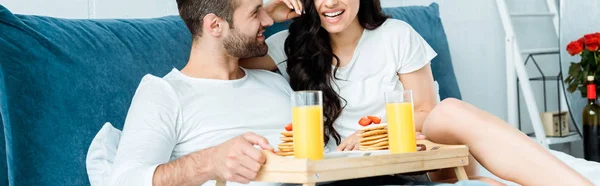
(589,169)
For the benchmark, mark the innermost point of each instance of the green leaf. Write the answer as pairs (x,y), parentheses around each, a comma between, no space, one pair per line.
(572,88)
(569,79)
(574,69)
(583,61)
(583,91)
(588,57)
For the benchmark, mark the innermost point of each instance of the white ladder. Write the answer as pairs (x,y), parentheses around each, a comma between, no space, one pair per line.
(515,68)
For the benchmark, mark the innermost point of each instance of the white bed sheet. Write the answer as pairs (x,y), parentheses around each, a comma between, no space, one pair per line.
(589,169)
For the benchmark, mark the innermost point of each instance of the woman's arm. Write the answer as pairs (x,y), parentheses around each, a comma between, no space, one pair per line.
(280,11)
(265,63)
(424,95)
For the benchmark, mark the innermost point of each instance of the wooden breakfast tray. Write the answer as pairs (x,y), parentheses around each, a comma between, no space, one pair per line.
(307,172)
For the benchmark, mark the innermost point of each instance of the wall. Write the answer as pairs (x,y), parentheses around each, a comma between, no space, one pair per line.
(474,30)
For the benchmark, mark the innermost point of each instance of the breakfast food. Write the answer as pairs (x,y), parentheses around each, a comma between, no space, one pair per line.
(286,147)
(373,137)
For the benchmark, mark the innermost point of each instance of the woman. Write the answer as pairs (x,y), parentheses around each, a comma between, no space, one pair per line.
(353,53)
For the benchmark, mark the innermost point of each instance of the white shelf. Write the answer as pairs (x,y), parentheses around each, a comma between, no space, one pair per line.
(515,69)
(573,136)
(540,50)
(536,14)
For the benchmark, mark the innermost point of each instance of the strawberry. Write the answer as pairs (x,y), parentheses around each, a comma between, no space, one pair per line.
(288,127)
(364,121)
(375,119)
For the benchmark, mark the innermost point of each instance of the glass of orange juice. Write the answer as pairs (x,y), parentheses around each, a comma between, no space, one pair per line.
(400,119)
(307,124)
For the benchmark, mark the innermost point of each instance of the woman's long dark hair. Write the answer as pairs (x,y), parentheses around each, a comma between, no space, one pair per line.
(310,56)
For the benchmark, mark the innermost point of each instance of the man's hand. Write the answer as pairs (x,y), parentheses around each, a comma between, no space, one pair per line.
(353,141)
(283,10)
(237,160)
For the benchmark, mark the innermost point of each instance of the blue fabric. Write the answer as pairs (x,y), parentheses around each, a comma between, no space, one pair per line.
(427,22)
(3,167)
(62,79)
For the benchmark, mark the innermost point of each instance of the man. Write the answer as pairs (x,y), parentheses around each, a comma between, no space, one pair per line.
(192,126)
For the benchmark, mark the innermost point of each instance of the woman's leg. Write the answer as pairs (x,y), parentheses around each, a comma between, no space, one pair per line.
(500,148)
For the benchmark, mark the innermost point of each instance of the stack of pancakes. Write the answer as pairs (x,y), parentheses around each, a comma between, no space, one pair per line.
(374,137)
(286,147)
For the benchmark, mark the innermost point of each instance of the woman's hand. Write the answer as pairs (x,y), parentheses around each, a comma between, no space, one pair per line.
(283,10)
(350,143)
(353,141)
(420,136)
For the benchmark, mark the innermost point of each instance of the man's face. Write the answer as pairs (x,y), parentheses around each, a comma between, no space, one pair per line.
(245,39)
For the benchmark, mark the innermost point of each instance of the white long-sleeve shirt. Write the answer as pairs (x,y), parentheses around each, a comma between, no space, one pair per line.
(176,115)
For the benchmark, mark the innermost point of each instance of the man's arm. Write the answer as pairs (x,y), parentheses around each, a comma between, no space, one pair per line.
(192,169)
(149,135)
(235,160)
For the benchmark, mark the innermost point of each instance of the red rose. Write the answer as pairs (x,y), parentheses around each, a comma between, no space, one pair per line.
(575,47)
(592,42)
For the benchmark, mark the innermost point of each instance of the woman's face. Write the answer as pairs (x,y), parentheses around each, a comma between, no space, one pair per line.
(337,15)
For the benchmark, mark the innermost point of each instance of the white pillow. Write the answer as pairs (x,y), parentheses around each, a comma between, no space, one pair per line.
(101,154)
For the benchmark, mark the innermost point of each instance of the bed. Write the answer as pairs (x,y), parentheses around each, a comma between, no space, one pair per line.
(589,169)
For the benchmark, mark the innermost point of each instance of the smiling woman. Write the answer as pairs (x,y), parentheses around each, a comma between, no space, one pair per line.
(330,16)
(309,38)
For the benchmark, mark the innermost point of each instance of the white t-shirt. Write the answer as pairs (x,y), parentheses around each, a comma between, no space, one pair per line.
(395,47)
(176,115)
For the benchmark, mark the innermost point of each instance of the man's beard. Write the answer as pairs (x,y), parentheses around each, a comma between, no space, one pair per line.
(242,46)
